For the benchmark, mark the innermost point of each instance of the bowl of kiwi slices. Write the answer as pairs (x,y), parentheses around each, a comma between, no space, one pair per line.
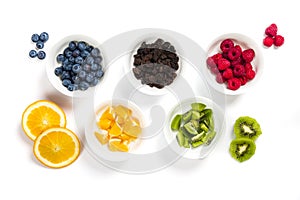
(197,125)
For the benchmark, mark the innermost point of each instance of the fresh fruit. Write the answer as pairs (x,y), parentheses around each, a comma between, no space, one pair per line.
(242,149)
(40,116)
(44,36)
(41,55)
(195,127)
(271,30)
(247,127)
(56,147)
(32,53)
(278,40)
(39,45)
(35,37)
(230,66)
(120,127)
(268,41)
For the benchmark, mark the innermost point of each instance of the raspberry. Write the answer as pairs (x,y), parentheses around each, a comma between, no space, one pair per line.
(271,30)
(268,41)
(219,78)
(248,66)
(238,47)
(223,64)
(248,55)
(234,53)
(216,57)
(234,84)
(250,74)
(227,74)
(214,70)
(278,40)
(243,80)
(226,45)
(238,70)
(237,61)
(210,62)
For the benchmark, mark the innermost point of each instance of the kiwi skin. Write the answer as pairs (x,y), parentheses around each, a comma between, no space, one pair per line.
(242,149)
(251,123)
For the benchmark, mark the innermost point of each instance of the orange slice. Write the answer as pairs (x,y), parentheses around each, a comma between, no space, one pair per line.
(56,147)
(118,145)
(40,116)
(102,138)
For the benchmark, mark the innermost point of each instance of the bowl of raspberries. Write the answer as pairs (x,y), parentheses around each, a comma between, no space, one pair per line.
(75,65)
(234,63)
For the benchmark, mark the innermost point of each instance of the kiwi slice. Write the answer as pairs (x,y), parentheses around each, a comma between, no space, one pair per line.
(247,127)
(242,149)
(176,123)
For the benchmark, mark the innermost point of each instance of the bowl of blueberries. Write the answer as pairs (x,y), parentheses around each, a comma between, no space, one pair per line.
(75,65)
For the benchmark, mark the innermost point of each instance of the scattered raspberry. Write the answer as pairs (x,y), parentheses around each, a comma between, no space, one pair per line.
(248,55)
(227,74)
(268,41)
(219,78)
(234,84)
(243,80)
(278,40)
(248,66)
(226,45)
(250,74)
(223,64)
(238,70)
(234,53)
(271,30)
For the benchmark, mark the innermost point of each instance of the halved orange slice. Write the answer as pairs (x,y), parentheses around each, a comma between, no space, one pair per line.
(56,147)
(40,116)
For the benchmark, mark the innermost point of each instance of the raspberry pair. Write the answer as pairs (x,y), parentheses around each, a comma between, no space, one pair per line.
(272,37)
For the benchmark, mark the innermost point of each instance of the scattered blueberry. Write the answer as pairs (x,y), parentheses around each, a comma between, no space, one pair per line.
(32,53)
(66,82)
(76,68)
(72,45)
(60,58)
(44,36)
(39,45)
(41,55)
(35,37)
(58,71)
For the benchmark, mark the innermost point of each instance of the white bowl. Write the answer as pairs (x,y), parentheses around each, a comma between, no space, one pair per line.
(202,151)
(52,64)
(257,63)
(101,151)
(151,38)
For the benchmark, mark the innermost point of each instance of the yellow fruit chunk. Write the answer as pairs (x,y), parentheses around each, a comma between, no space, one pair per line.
(107,114)
(131,128)
(115,130)
(105,124)
(117,144)
(56,147)
(122,111)
(102,138)
(40,116)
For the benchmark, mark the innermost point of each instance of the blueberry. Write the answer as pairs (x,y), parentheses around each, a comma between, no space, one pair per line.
(98,60)
(58,71)
(32,53)
(89,78)
(41,55)
(95,67)
(65,75)
(60,58)
(76,79)
(39,44)
(82,74)
(44,36)
(84,54)
(71,87)
(99,73)
(81,45)
(79,60)
(71,59)
(72,45)
(76,68)
(94,82)
(76,53)
(90,60)
(89,48)
(67,52)
(86,67)
(67,67)
(35,37)
(95,52)
(66,82)
(83,85)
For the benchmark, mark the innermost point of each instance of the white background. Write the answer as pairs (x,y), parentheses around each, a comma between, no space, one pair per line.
(273,173)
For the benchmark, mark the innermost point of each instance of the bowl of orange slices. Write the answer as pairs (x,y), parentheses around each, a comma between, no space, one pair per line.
(114,130)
